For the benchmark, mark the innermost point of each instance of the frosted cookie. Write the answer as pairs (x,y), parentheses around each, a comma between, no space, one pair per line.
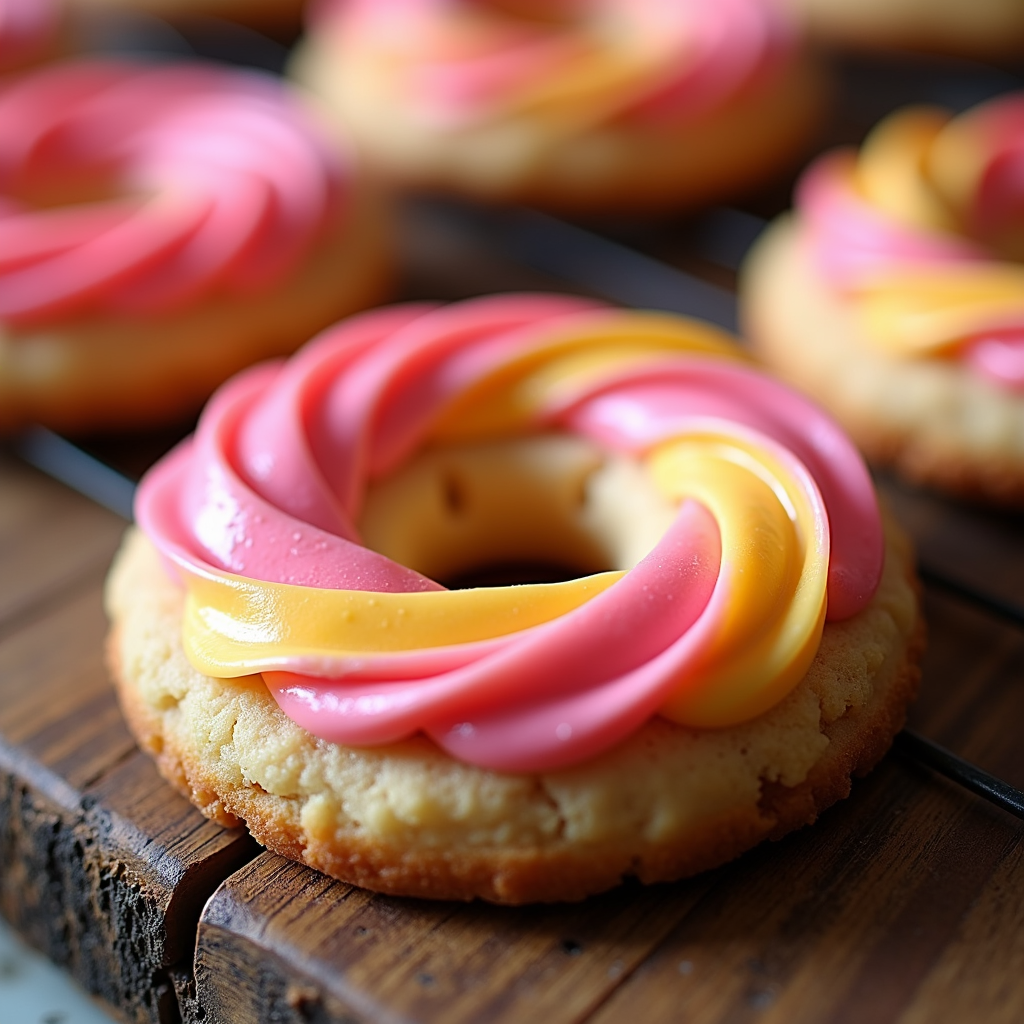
(980,28)
(589,105)
(743,638)
(160,228)
(895,295)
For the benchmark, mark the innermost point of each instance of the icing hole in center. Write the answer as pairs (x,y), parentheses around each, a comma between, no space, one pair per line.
(512,574)
(538,509)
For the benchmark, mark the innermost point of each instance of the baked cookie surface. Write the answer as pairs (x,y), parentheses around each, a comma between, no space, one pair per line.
(409,820)
(932,420)
(985,28)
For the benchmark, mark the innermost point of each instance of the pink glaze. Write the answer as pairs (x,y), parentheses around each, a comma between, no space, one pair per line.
(26,26)
(271,485)
(210,181)
(467,61)
(854,243)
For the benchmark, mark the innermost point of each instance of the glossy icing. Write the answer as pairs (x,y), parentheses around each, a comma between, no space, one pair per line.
(924,232)
(567,63)
(135,190)
(775,523)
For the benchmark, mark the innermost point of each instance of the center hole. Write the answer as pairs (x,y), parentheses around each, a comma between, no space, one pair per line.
(545,508)
(510,574)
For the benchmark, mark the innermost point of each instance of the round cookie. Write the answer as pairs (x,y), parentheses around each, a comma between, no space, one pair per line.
(744,640)
(590,107)
(895,295)
(165,226)
(406,819)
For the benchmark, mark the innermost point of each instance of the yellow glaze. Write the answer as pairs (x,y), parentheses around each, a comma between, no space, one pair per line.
(233,625)
(774,573)
(506,402)
(920,169)
(918,313)
(892,169)
(764,622)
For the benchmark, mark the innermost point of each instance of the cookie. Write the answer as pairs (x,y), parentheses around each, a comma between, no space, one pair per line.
(739,637)
(588,107)
(164,226)
(29,31)
(895,295)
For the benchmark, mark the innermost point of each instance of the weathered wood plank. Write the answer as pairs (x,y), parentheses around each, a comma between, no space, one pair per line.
(833,924)
(353,955)
(102,866)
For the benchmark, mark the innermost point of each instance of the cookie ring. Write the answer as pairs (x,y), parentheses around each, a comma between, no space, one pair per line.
(523,736)
(895,295)
(151,248)
(594,106)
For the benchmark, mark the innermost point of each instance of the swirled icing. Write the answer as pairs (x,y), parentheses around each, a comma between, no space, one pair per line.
(568,63)
(924,232)
(132,189)
(25,28)
(256,515)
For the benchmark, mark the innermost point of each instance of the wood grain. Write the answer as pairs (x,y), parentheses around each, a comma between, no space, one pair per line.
(904,904)
(356,956)
(103,867)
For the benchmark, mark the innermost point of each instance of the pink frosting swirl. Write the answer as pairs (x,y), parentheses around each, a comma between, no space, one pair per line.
(132,189)
(25,28)
(931,197)
(270,488)
(462,61)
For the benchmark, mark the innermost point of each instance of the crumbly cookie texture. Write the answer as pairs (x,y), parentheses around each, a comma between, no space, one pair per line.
(103,371)
(407,819)
(937,421)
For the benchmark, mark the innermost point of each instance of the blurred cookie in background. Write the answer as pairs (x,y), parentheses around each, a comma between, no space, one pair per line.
(163,226)
(895,295)
(575,105)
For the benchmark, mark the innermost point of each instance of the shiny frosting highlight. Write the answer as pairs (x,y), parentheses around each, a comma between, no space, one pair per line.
(924,231)
(570,63)
(776,527)
(131,189)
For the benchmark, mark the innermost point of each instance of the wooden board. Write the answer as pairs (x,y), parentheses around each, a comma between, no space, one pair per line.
(102,866)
